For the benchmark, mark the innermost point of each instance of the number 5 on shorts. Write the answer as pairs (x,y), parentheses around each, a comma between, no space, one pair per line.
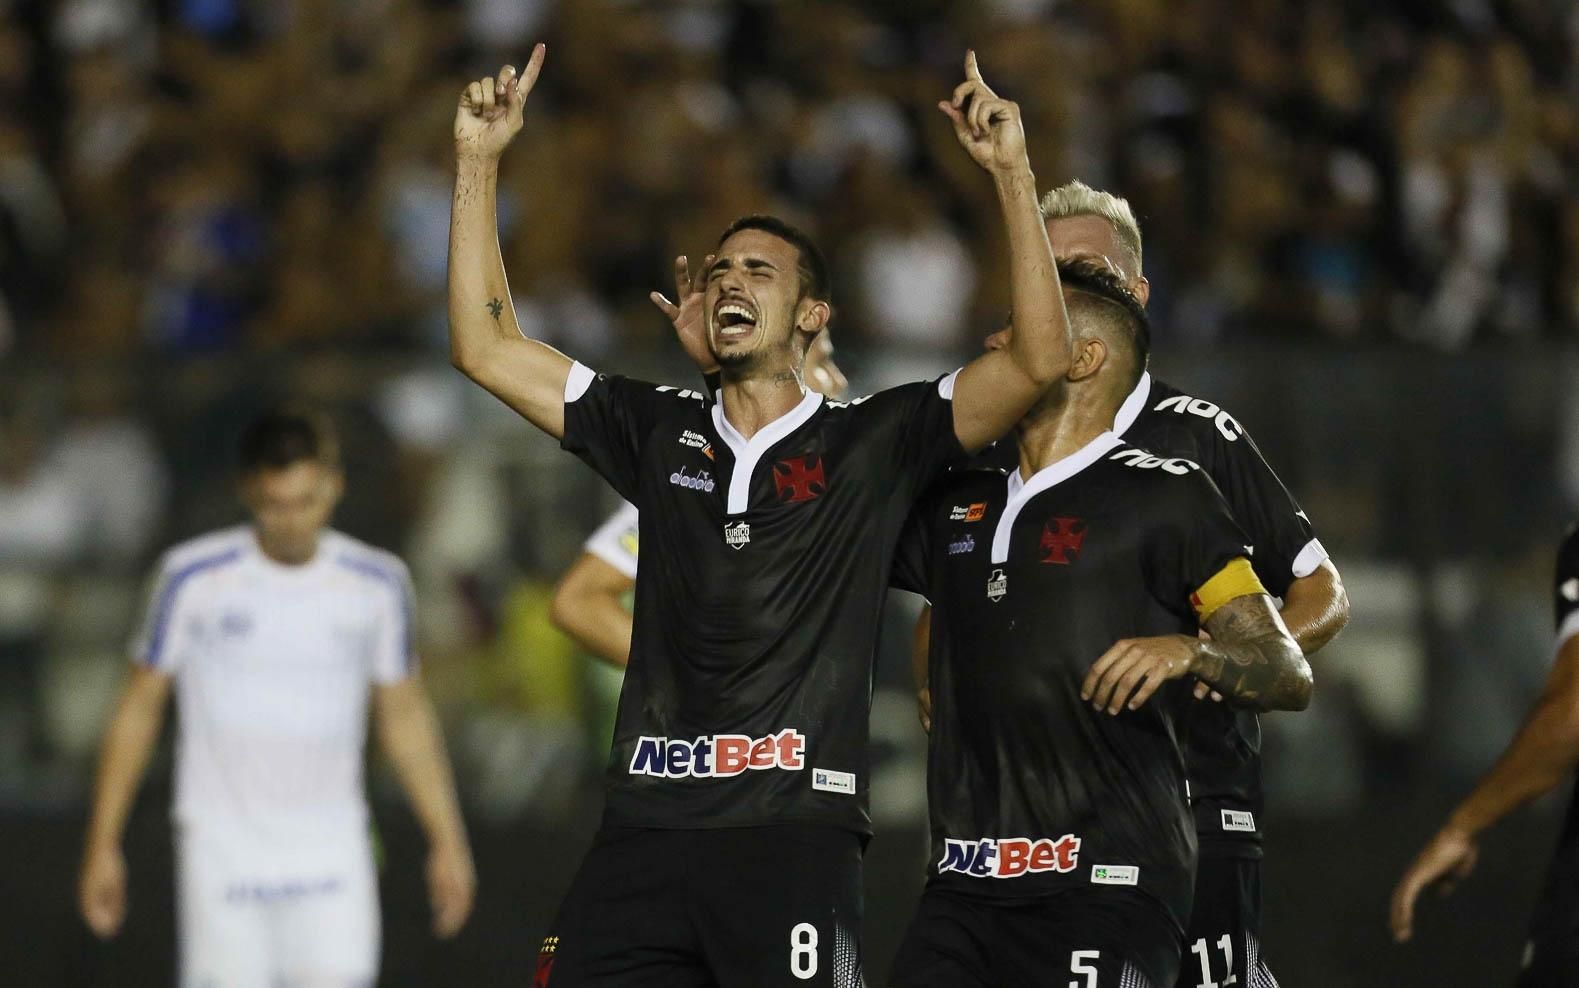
(1078,964)
(803,951)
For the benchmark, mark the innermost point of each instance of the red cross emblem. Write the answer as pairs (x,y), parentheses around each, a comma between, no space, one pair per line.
(1060,536)
(799,478)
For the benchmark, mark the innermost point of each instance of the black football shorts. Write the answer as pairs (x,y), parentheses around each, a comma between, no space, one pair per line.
(1102,937)
(1223,943)
(758,906)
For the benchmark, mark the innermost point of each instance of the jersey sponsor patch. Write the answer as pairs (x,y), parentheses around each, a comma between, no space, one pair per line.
(1142,460)
(1115,875)
(1199,407)
(695,440)
(700,481)
(720,756)
(997,585)
(1010,857)
(1239,821)
(737,535)
(827,780)
(1235,580)
(975,511)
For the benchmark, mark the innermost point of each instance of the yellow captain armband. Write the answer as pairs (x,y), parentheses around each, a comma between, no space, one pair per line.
(1235,580)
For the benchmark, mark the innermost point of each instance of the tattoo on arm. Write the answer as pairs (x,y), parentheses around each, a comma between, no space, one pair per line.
(1251,658)
(494,308)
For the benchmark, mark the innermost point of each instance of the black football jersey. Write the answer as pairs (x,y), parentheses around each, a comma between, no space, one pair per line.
(1031,791)
(1223,743)
(763,569)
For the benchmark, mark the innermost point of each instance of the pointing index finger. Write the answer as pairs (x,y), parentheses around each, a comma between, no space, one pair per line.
(534,65)
(972,70)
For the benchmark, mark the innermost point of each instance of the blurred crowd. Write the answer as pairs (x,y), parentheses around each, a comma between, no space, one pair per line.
(206,205)
(190,176)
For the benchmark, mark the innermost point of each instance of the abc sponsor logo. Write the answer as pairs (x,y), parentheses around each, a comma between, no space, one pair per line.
(1010,857)
(721,756)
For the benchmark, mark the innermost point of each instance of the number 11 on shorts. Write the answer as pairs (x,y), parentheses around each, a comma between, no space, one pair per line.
(1200,949)
(803,951)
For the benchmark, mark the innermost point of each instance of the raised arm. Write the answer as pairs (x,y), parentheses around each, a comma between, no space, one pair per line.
(995,390)
(123,757)
(485,340)
(409,732)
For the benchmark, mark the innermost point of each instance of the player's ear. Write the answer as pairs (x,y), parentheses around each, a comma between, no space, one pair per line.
(1090,355)
(812,316)
(1142,289)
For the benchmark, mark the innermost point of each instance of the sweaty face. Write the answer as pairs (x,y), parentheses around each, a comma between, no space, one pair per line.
(1093,238)
(290,507)
(753,289)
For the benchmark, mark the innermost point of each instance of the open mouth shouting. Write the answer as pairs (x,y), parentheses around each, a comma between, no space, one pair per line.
(733,320)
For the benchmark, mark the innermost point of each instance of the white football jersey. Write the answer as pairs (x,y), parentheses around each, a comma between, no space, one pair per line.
(273,666)
(616,541)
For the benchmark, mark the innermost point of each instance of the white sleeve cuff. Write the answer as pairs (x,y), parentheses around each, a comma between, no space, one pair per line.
(946,386)
(579,380)
(1309,559)
(1568,629)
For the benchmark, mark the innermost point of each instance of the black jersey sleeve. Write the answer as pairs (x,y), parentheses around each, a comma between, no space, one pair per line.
(1568,587)
(1196,547)
(920,418)
(913,554)
(1285,542)
(607,423)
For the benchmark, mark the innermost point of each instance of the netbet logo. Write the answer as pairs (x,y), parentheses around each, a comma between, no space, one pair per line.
(721,756)
(1184,404)
(1010,857)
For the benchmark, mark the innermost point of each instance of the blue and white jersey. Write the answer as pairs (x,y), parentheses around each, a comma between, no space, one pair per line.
(273,666)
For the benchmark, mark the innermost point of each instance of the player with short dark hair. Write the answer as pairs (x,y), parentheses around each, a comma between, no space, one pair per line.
(731,843)
(1077,577)
(1222,743)
(1541,757)
(276,635)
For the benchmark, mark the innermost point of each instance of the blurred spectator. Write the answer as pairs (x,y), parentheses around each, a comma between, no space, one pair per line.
(42,520)
(110,463)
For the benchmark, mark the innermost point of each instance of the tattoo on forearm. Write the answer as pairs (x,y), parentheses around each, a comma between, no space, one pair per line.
(1250,659)
(494,308)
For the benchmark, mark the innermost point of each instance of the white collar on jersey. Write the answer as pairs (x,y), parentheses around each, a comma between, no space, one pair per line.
(1133,405)
(749,451)
(1021,491)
